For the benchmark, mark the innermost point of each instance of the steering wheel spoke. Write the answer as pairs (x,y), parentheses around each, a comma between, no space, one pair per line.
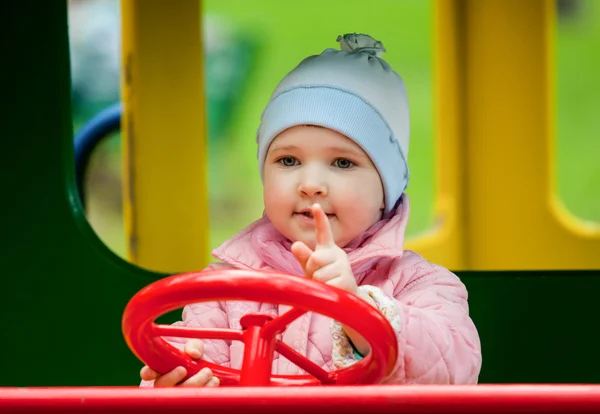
(197,333)
(306,364)
(279,324)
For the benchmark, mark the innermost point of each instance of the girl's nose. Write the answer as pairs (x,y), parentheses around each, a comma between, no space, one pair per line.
(312,183)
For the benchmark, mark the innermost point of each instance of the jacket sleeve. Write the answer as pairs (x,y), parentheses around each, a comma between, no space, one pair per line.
(205,314)
(437,340)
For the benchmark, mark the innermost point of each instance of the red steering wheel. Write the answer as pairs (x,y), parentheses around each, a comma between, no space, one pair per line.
(259,331)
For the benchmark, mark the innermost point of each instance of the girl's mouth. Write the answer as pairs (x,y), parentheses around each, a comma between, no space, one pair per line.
(309,214)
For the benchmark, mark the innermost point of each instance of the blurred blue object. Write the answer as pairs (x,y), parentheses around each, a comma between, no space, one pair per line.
(89,135)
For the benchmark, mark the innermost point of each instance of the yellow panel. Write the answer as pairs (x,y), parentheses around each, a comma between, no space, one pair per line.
(496,201)
(514,218)
(164,138)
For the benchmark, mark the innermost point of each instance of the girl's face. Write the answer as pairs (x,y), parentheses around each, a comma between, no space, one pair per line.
(306,165)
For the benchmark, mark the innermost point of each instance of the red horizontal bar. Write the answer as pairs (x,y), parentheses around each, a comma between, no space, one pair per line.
(319,399)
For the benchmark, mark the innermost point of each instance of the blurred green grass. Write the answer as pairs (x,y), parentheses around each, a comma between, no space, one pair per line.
(578,104)
(405,27)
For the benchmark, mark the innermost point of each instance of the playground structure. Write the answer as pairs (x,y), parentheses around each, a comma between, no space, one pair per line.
(64,292)
(477,119)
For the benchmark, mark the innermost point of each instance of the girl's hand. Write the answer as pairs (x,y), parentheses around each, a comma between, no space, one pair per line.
(204,378)
(327,263)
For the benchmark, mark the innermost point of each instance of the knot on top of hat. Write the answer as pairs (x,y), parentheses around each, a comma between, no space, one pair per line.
(355,43)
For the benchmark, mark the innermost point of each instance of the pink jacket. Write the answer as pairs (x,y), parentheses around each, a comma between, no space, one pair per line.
(425,303)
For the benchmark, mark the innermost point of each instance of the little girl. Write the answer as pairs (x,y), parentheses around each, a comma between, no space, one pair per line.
(332,154)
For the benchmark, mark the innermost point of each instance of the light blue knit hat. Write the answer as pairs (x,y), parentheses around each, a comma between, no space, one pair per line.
(354,92)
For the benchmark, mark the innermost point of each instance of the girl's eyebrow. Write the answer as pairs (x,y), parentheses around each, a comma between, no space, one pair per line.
(284,148)
(334,149)
(344,150)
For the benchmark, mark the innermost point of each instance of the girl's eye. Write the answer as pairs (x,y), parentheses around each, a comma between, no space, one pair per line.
(343,163)
(288,161)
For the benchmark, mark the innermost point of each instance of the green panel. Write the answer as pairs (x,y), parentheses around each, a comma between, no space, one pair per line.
(537,326)
(63,292)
